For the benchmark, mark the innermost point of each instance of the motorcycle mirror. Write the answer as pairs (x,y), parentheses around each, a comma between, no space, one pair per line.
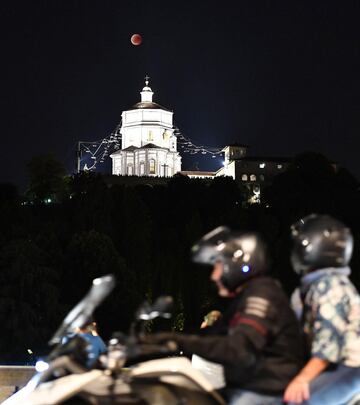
(81,313)
(143,311)
(160,309)
(164,304)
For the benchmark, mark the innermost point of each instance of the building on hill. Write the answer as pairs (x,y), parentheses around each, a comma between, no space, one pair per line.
(252,172)
(149,149)
(148,143)
(250,168)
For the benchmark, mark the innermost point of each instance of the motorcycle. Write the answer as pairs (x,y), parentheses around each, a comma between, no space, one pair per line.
(128,373)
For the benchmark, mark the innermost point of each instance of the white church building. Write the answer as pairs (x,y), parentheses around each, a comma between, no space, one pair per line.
(148,143)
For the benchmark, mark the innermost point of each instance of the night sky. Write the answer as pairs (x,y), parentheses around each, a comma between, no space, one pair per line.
(281,77)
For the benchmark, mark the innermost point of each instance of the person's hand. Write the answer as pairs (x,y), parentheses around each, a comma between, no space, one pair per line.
(297,391)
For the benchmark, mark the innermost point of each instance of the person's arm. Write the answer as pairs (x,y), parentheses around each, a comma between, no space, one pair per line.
(298,389)
(246,336)
(236,348)
(255,320)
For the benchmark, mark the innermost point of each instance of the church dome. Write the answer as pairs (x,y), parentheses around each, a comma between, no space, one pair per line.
(148,105)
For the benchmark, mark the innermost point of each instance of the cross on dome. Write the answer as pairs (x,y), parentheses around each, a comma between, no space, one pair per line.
(146,93)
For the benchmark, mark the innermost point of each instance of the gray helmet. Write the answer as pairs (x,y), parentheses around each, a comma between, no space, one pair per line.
(320,241)
(244,255)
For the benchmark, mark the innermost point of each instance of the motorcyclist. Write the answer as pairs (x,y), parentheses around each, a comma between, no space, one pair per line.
(330,312)
(258,338)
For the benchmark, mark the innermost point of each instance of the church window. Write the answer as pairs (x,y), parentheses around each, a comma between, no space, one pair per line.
(142,168)
(262,165)
(150,136)
(279,166)
(252,177)
(261,177)
(130,169)
(152,167)
(244,177)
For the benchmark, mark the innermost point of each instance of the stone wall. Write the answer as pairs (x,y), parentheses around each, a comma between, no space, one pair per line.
(12,378)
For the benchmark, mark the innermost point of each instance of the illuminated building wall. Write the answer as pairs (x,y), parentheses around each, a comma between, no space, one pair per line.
(149,146)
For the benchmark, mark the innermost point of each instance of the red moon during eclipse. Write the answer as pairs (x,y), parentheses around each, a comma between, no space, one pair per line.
(136,39)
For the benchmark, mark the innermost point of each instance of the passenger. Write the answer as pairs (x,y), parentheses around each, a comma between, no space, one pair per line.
(95,345)
(330,313)
(258,339)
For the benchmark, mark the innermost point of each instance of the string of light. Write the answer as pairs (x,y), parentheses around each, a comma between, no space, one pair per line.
(188,146)
(99,150)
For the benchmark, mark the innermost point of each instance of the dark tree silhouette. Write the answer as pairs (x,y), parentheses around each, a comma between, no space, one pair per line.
(47,179)
(29,299)
(312,184)
(50,253)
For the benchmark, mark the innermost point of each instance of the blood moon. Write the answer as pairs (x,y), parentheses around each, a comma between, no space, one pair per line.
(136,39)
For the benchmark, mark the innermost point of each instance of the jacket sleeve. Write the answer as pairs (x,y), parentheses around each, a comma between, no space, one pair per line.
(255,320)
(235,348)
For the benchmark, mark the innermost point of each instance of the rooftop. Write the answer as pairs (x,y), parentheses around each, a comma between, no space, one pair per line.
(148,105)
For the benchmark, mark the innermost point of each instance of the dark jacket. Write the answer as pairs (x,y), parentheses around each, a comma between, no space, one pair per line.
(258,340)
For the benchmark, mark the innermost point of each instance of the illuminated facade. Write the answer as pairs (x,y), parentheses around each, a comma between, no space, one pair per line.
(148,146)
(252,172)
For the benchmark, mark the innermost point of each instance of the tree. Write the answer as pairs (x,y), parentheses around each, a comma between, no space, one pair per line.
(310,185)
(29,302)
(9,207)
(307,186)
(47,179)
(90,255)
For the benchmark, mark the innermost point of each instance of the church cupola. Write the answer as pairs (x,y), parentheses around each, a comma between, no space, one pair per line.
(148,143)
(146,93)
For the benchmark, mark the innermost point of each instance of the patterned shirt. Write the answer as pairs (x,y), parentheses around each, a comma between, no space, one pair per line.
(331,316)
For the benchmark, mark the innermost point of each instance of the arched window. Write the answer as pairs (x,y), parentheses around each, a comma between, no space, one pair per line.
(152,166)
(130,169)
(252,177)
(142,168)
(244,177)
(261,177)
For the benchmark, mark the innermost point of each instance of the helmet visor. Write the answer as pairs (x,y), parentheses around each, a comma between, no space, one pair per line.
(208,249)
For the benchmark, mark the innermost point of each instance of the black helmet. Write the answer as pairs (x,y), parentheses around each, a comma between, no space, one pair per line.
(320,241)
(244,255)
